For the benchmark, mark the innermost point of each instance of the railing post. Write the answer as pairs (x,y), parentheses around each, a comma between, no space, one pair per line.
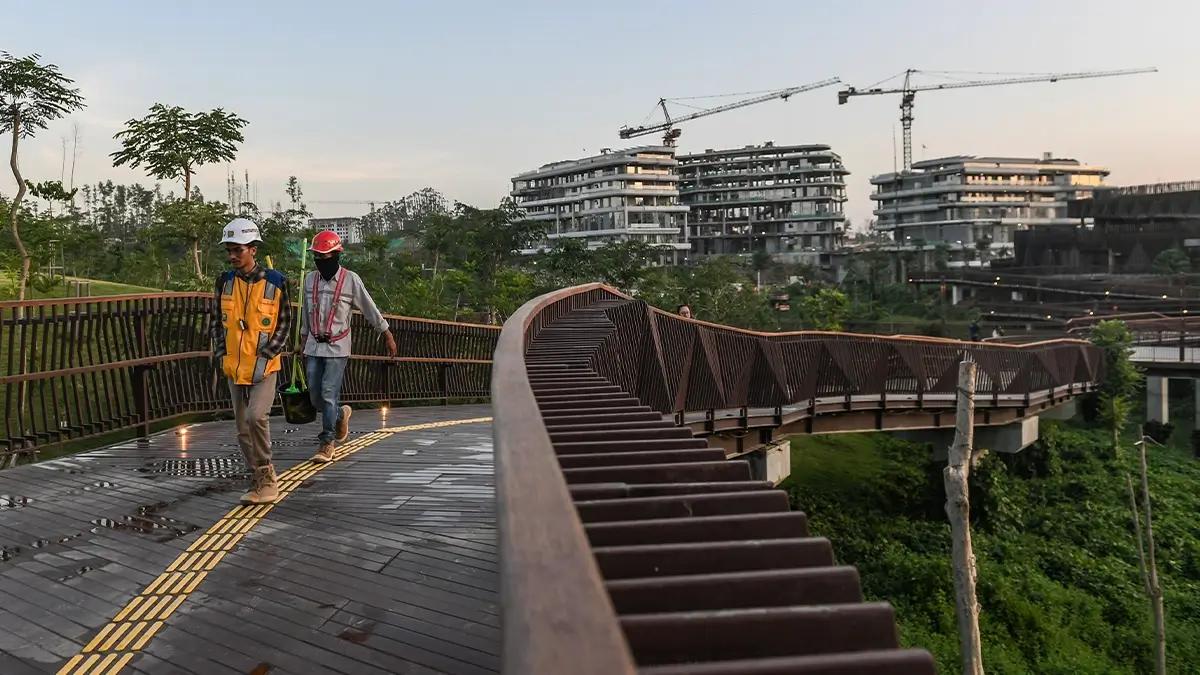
(140,376)
(444,381)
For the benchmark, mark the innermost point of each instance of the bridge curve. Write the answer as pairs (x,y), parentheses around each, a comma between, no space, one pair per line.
(654,552)
(627,540)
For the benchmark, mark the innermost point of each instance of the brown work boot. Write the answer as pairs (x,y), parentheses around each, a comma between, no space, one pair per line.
(264,488)
(324,454)
(343,424)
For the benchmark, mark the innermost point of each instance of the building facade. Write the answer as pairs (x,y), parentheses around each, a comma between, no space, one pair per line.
(348,228)
(787,200)
(1130,227)
(618,195)
(979,202)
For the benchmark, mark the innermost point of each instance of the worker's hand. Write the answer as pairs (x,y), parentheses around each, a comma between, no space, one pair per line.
(392,349)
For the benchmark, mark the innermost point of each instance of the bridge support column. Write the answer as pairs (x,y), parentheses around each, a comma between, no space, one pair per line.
(1196,401)
(956,294)
(772,462)
(1157,401)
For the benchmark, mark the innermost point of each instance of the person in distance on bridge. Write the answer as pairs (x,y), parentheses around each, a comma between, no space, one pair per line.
(684,310)
(329,295)
(250,321)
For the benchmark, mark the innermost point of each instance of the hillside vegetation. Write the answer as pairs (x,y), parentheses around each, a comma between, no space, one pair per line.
(1059,584)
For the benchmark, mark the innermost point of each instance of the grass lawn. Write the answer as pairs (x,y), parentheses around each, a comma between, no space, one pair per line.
(8,289)
(836,462)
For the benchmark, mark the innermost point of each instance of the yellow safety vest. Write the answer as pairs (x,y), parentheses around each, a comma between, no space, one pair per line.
(250,314)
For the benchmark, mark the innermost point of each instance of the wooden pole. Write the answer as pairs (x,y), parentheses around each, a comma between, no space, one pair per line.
(1153,586)
(958,509)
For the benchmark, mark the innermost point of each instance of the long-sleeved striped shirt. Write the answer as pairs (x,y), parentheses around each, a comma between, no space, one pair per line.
(279,338)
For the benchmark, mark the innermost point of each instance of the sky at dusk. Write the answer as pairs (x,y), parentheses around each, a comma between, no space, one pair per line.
(373,100)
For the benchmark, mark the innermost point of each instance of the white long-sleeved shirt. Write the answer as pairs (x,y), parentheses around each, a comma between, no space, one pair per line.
(354,295)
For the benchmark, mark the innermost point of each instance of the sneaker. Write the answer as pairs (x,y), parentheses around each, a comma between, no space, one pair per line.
(343,424)
(264,488)
(324,454)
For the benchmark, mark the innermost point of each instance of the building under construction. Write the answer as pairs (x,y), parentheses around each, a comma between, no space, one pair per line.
(972,202)
(1130,227)
(618,195)
(786,200)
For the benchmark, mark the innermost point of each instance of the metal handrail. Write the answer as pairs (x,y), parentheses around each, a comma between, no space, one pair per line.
(74,368)
(557,617)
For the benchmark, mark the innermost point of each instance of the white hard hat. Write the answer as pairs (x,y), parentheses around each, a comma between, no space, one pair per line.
(241,231)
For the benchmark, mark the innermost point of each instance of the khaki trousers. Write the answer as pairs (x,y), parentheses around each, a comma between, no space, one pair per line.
(251,407)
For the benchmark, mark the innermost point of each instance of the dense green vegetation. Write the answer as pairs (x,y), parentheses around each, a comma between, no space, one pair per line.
(1059,584)
(424,256)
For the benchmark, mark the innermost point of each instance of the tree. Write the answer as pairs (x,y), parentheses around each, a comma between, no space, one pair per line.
(51,191)
(941,257)
(1149,566)
(408,213)
(760,261)
(493,237)
(441,237)
(1172,262)
(1122,378)
(955,479)
(295,194)
(192,222)
(376,245)
(824,310)
(172,142)
(31,95)
(984,246)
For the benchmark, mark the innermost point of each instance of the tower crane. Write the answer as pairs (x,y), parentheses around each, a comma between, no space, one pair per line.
(670,133)
(909,91)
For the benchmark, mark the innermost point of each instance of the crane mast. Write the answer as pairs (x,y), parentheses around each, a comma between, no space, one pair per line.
(908,93)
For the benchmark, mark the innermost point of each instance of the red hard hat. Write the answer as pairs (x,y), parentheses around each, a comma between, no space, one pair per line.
(326,242)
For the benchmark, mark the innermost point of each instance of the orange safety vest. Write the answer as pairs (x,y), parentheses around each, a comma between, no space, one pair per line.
(249,314)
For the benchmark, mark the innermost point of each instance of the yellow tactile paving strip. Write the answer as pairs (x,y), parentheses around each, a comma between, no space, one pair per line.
(132,628)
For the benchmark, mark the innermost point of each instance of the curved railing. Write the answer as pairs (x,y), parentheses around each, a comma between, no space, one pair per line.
(676,365)
(558,616)
(79,367)
(1090,286)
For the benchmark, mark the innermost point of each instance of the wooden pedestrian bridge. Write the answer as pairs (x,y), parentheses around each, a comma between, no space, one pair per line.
(592,518)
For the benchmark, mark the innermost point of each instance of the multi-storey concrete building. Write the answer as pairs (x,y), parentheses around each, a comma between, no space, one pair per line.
(1131,227)
(964,200)
(618,195)
(348,228)
(786,200)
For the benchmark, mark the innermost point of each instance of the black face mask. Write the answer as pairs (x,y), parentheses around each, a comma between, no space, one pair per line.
(327,267)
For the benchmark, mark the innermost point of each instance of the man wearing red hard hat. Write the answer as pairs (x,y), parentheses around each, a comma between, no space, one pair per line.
(329,295)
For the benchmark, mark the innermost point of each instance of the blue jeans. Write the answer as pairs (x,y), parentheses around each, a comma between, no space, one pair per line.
(325,389)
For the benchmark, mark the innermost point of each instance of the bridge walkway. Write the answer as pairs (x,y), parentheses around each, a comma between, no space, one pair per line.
(137,558)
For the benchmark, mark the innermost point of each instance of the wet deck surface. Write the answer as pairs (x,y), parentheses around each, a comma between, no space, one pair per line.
(136,558)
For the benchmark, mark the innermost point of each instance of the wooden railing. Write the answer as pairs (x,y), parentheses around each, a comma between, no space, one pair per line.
(558,616)
(75,368)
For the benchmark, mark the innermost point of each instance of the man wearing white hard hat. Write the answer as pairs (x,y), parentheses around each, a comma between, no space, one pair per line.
(251,316)
(329,295)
